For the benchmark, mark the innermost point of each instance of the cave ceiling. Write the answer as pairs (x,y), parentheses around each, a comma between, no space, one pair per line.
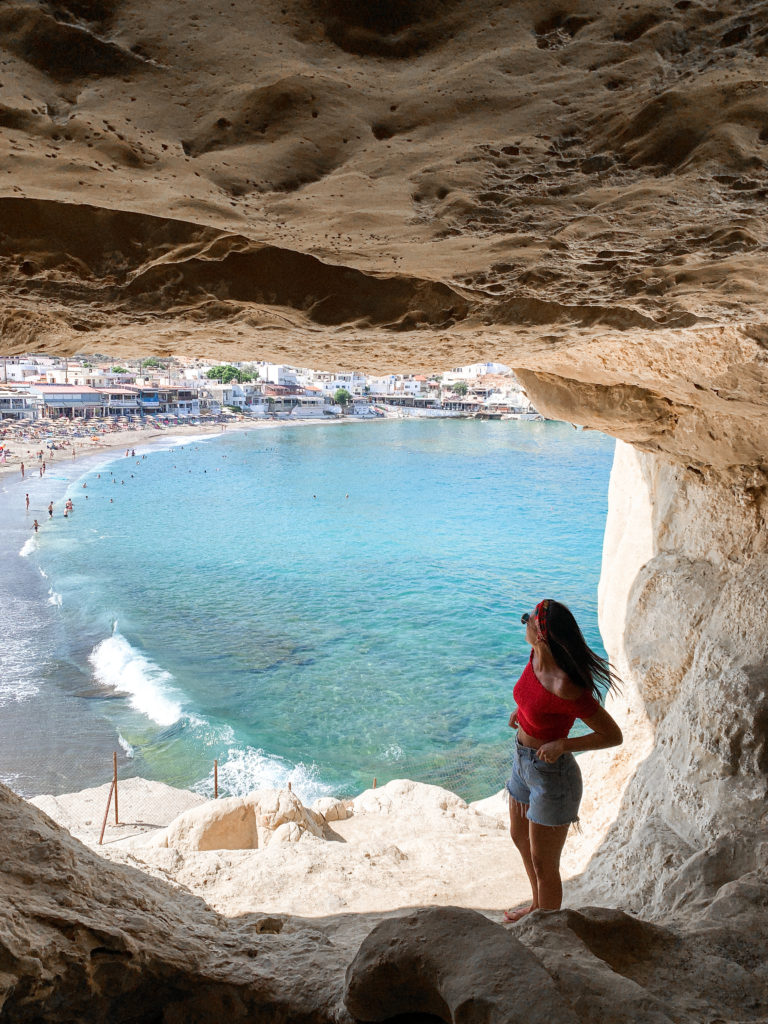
(576,189)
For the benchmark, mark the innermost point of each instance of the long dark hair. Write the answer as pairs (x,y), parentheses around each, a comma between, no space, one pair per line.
(572,654)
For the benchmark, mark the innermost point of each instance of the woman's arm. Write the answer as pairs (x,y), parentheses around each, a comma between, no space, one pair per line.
(605,733)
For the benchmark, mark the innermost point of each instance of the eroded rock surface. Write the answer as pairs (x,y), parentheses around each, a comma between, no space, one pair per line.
(684,611)
(598,965)
(453,964)
(404,844)
(82,940)
(85,940)
(240,823)
(576,190)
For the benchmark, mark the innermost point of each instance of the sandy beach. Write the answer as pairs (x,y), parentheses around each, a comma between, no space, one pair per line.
(24,439)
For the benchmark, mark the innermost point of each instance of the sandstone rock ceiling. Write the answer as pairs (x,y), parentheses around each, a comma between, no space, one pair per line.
(572,187)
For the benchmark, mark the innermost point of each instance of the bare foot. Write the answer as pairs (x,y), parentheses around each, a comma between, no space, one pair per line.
(510,916)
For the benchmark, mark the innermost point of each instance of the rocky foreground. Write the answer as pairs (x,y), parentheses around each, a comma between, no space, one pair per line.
(82,939)
(402,845)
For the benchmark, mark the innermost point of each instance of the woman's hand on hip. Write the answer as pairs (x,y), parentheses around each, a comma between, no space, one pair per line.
(513,720)
(551,751)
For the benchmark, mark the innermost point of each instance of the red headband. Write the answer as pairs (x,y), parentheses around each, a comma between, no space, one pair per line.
(541,620)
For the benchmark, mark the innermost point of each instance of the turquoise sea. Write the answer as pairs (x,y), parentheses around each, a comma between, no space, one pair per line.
(322,604)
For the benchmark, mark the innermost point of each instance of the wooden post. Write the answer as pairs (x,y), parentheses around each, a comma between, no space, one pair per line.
(106,812)
(216,779)
(114,780)
(374,782)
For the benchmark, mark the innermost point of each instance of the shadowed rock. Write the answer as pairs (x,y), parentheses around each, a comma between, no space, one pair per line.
(455,965)
(63,51)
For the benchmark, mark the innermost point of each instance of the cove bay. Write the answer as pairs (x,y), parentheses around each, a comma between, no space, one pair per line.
(322,605)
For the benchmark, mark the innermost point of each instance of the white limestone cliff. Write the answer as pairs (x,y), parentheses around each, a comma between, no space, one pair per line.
(684,615)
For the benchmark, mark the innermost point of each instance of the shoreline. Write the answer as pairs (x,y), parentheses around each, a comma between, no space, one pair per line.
(71,469)
(26,584)
(119,440)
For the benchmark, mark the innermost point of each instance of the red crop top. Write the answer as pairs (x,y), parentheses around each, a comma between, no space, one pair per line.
(544,715)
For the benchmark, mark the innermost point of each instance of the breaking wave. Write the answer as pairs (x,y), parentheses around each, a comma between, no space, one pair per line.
(247,769)
(121,667)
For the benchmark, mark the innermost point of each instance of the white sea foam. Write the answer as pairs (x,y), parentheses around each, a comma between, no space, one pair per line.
(210,734)
(28,547)
(10,780)
(119,666)
(53,597)
(129,751)
(247,769)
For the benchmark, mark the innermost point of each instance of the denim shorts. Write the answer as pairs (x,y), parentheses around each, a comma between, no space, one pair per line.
(552,791)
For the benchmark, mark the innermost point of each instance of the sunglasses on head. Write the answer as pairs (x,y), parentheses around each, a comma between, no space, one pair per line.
(524,617)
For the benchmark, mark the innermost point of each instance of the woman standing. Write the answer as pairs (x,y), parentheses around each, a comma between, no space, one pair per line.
(558,685)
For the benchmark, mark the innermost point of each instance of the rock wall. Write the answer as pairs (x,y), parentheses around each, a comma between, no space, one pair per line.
(684,614)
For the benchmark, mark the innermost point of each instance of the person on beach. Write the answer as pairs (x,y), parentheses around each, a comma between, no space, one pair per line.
(26,499)
(36,526)
(558,685)
(21,467)
(50,510)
